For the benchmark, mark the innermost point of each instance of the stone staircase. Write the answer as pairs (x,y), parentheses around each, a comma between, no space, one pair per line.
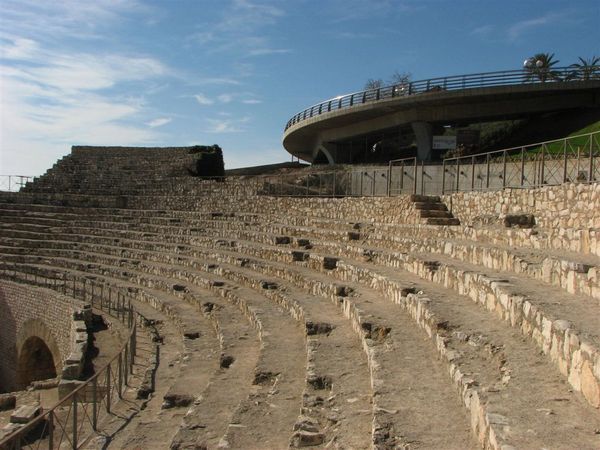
(432,210)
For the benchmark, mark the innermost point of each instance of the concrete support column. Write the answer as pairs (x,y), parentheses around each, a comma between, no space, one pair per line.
(424,134)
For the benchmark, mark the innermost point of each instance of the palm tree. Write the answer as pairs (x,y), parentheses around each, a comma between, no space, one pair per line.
(586,69)
(540,66)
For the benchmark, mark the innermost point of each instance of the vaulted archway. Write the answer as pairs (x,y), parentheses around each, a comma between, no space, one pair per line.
(38,355)
(35,362)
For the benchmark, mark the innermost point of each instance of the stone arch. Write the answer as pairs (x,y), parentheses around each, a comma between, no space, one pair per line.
(38,355)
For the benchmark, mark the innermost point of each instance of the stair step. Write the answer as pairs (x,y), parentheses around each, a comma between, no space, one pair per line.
(425,198)
(430,205)
(442,221)
(426,213)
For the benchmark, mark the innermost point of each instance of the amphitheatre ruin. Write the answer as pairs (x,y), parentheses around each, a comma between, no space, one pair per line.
(151,301)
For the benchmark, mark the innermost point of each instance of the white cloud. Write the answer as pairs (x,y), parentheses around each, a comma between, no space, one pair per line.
(239,31)
(67,18)
(515,31)
(159,122)
(225,98)
(251,101)
(52,99)
(483,30)
(226,125)
(217,80)
(268,51)
(203,99)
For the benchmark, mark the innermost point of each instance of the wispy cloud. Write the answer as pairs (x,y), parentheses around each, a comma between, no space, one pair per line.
(226,125)
(251,101)
(350,35)
(483,30)
(268,51)
(52,98)
(204,81)
(203,99)
(159,122)
(515,31)
(59,19)
(352,10)
(225,98)
(239,31)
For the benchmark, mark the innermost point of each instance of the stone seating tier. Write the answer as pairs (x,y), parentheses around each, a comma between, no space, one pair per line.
(148,247)
(98,167)
(340,321)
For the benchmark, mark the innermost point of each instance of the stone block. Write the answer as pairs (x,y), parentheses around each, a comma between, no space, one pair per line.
(65,387)
(25,414)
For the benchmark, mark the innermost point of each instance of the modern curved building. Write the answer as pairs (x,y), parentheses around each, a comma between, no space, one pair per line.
(380,123)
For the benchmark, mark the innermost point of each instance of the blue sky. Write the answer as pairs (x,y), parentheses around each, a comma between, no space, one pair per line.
(231,72)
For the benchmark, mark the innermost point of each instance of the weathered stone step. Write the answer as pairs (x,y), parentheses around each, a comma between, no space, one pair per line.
(426,213)
(281,363)
(336,346)
(430,206)
(584,413)
(571,275)
(206,420)
(415,198)
(392,419)
(442,221)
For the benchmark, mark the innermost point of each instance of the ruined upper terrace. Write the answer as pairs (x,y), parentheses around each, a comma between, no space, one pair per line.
(314,131)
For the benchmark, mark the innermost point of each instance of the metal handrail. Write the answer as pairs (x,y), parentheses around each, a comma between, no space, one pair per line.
(124,359)
(557,155)
(19,181)
(449,83)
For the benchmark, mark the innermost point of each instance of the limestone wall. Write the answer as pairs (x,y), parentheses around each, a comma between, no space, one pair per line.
(27,311)
(570,205)
(126,151)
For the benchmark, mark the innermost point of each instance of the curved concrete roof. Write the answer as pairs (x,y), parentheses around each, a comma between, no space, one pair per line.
(302,138)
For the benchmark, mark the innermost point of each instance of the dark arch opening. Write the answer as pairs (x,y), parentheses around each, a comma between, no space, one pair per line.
(35,362)
(320,158)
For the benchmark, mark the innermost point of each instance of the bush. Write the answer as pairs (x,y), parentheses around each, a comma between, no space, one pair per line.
(209,161)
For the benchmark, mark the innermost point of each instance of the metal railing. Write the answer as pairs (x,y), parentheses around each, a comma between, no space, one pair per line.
(451,83)
(77,417)
(403,176)
(13,183)
(571,159)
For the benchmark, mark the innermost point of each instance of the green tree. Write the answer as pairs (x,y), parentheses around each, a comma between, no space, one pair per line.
(540,67)
(586,69)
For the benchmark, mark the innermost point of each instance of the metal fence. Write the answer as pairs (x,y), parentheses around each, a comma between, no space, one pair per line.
(76,418)
(456,82)
(572,159)
(13,183)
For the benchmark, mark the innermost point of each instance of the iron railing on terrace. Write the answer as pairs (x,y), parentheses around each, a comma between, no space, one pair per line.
(451,83)
(77,417)
(13,183)
(571,159)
